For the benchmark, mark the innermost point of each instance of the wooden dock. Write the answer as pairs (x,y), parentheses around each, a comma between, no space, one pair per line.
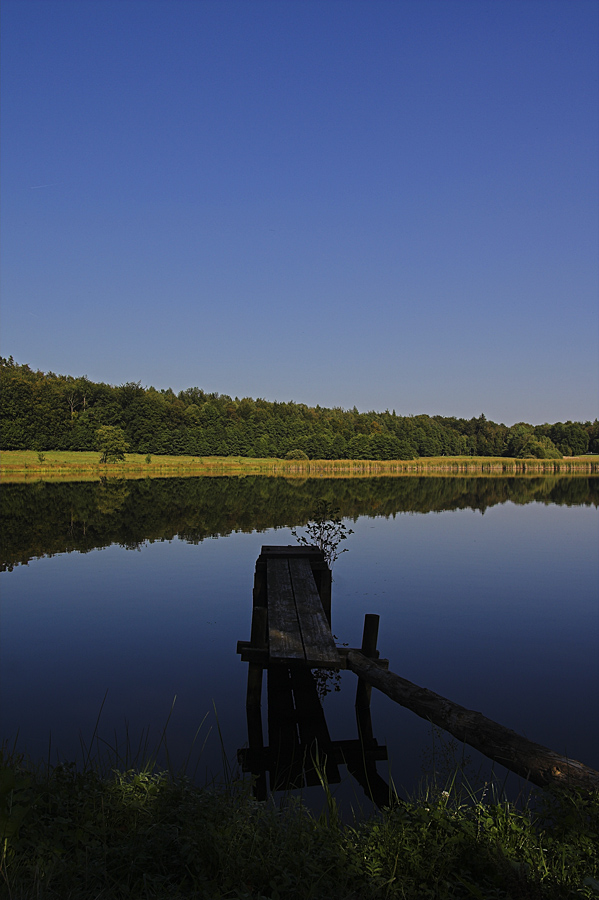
(291,636)
(291,618)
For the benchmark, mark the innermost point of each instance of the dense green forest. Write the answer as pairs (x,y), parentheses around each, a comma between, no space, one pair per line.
(44,411)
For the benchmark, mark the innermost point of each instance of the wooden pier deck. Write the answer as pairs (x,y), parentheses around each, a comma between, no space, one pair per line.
(291,616)
(298,629)
(290,636)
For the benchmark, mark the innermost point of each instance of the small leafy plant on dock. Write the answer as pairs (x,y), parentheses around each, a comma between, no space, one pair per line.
(326,531)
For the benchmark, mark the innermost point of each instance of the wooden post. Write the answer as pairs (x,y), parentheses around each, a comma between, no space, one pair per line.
(259,627)
(253,713)
(323,578)
(370,635)
(258,640)
(254,691)
(532,761)
(253,701)
(253,705)
(259,593)
(369,638)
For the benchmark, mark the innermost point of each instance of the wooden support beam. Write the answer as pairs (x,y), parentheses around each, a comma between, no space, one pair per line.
(254,689)
(343,654)
(252,655)
(532,761)
(369,638)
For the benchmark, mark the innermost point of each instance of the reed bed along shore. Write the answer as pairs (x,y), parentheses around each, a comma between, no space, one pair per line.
(61,465)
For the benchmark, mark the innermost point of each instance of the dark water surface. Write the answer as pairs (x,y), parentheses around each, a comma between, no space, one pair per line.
(137,592)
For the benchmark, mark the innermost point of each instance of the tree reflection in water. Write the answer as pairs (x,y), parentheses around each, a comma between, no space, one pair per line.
(48,518)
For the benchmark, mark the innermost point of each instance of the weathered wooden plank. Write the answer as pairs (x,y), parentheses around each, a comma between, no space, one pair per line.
(284,637)
(291,550)
(251,654)
(319,646)
(532,761)
(320,569)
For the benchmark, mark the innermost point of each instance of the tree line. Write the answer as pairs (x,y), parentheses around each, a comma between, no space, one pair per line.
(44,411)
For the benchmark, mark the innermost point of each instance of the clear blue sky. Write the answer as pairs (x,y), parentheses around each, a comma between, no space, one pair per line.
(381,203)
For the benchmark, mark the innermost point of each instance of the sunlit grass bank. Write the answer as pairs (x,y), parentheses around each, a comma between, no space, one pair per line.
(28,465)
(80,835)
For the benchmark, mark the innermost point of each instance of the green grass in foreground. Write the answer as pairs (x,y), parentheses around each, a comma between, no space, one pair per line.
(78,835)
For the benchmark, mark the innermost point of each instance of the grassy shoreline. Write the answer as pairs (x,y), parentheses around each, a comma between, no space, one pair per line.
(61,465)
(81,834)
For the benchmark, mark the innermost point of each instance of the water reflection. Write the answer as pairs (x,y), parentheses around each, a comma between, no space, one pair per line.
(498,611)
(48,518)
(300,749)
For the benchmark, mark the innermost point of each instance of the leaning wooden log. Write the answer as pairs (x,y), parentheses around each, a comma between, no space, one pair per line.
(532,761)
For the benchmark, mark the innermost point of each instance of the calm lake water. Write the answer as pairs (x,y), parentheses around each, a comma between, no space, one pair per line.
(120,597)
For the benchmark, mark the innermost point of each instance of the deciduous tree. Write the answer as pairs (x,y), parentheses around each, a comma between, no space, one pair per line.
(111,443)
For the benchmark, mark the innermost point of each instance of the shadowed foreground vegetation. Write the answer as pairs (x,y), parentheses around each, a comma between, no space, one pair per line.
(69,834)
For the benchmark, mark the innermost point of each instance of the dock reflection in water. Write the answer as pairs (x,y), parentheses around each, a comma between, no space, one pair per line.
(300,750)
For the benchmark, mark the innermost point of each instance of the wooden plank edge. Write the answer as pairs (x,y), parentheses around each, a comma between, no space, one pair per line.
(280,550)
(252,654)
